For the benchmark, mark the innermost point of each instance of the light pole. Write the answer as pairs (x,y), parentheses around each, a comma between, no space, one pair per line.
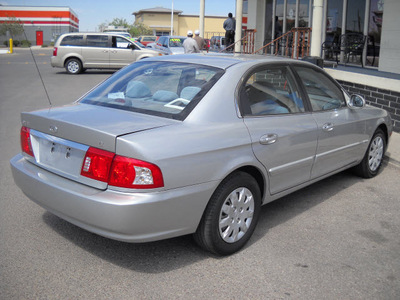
(172,18)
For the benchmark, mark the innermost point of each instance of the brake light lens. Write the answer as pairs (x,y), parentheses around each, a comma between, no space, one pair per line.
(55,49)
(121,171)
(97,164)
(26,144)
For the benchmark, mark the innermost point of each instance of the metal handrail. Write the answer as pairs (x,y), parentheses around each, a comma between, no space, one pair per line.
(299,32)
(249,37)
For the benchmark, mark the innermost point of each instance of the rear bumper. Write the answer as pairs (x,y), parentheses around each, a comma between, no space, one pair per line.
(130,217)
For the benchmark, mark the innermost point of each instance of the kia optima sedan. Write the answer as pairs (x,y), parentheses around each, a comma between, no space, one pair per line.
(195,144)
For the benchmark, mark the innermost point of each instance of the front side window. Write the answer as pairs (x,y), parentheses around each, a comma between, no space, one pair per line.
(270,91)
(120,42)
(166,89)
(97,41)
(323,93)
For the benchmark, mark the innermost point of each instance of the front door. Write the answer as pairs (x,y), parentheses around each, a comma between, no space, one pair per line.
(341,131)
(39,38)
(121,52)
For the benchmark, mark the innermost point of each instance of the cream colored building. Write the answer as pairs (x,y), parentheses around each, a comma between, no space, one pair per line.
(158,19)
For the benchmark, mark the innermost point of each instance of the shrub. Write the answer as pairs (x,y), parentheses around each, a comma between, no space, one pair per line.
(25,43)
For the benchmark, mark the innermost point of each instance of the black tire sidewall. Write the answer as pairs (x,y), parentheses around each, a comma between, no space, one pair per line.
(217,200)
(73,60)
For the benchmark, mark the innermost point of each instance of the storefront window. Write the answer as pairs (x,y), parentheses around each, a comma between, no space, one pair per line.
(334,20)
(375,28)
(355,16)
(303,13)
(290,14)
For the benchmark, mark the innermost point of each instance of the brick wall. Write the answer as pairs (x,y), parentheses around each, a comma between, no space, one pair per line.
(388,100)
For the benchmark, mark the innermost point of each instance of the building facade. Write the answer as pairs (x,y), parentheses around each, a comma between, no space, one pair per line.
(42,24)
(158,19)
(376,19)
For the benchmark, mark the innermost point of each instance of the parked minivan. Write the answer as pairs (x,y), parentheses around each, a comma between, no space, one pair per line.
(79,51)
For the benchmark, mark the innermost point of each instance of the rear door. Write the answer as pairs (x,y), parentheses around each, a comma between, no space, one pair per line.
(282,130)
(96,53)
(341,130)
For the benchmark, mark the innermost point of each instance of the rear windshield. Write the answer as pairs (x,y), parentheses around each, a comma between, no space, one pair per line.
(166,89)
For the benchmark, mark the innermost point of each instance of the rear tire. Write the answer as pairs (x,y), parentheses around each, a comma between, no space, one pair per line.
(73,66)
(231,215)
(372,161)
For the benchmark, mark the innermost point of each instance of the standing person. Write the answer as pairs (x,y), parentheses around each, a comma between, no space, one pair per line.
(200,41)
(229,26)
(190,45)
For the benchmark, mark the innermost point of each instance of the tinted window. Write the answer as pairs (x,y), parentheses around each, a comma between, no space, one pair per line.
(72,40)
(97,40)
(323,93)
(159,88)
(270,91)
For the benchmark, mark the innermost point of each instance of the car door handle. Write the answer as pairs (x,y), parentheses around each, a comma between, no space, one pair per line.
(268,139)
(105,51)
(327,127)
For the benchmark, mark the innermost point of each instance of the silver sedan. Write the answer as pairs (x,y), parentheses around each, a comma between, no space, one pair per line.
(195,144)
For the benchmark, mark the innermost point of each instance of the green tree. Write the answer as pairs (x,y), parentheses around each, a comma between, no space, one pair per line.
(11,25)
(119,22)
(140,29)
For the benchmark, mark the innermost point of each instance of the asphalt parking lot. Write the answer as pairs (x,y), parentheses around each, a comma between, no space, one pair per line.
(336,239)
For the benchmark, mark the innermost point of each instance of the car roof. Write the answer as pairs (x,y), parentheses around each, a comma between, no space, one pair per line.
(221,60)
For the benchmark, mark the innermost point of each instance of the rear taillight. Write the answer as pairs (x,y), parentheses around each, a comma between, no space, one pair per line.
(55,51)
(97,164)
(121,171)
(26,144)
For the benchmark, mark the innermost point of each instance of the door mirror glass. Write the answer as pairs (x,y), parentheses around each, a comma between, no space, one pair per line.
(357,101)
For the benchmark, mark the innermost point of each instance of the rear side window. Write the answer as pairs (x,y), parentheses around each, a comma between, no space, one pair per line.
(72,40)
(97,40)
(270,91)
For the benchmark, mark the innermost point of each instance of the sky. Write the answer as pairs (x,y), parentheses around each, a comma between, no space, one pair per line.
(92,13)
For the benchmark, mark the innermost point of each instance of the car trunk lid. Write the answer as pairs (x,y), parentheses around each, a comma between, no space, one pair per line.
(61,136)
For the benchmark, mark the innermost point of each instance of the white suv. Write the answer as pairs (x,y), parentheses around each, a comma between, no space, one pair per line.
(79,51)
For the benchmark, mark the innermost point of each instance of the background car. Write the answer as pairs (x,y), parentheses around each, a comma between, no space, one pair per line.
(171,44)
(146,39)
(195,144)
(153,45)
(217,43)
(79,51)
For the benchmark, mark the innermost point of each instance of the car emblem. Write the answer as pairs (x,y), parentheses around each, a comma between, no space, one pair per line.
(53,129)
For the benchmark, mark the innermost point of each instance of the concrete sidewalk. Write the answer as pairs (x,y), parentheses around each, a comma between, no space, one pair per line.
(393,151)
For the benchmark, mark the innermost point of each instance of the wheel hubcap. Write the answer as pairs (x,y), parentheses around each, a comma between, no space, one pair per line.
(236,215)
(73,67)
(375,153)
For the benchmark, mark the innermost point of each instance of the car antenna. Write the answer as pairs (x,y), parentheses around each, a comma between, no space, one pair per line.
(40,75)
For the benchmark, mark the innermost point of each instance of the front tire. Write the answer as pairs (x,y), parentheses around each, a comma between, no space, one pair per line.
(73,66)
(231,215)
(372,161)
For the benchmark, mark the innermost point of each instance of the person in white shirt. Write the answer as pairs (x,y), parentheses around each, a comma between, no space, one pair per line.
(190,45)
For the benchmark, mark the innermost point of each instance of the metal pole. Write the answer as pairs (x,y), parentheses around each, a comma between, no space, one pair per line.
(172,18)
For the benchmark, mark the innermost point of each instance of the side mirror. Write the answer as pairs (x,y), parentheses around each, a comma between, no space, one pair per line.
(356,101)
(132,46)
